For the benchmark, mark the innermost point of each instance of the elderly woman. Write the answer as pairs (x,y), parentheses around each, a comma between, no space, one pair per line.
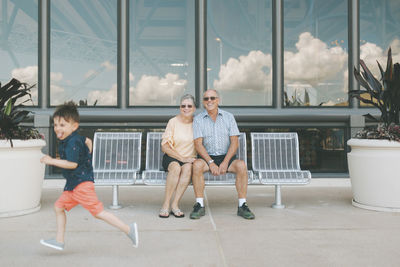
(177,144)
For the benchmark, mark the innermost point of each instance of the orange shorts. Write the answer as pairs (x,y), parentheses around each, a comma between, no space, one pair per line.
(83,194)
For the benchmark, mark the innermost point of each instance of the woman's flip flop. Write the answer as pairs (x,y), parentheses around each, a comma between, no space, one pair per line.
(163,213)
(177,213)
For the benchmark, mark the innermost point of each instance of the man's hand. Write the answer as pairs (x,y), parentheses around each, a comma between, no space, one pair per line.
(223,167)
(214,169)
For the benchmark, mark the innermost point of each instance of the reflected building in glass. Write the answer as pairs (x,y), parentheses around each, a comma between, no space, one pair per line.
(278,65)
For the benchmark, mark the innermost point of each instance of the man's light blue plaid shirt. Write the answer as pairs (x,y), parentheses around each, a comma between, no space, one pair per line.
(215,134)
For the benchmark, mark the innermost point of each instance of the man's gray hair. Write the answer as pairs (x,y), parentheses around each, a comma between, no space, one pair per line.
(187,96)
(212,90)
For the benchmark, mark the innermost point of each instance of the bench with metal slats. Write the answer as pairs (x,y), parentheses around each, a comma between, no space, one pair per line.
(275,161)
(154,174)
(116,160)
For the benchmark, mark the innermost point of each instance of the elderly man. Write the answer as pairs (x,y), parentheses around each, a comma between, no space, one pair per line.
(216,138)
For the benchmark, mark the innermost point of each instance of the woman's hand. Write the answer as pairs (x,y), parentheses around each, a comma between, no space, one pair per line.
(188,160)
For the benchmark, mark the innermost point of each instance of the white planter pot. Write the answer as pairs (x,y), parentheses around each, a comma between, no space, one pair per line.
(374,167)
(21,177)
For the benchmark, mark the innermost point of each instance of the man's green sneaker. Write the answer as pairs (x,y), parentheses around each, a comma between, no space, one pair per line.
(198,211)
(245,212)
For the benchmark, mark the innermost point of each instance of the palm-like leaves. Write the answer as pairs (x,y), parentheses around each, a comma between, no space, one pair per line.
(11,115)
(384,95)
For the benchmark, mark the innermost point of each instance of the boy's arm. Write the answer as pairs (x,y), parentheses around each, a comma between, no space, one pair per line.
(61,163)
(89,144)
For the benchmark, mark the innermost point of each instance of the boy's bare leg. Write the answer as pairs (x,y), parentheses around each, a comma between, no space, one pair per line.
(113,220)
(61,219)
(130,230)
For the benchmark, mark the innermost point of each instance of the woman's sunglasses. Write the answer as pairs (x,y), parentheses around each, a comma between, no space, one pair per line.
(186,106)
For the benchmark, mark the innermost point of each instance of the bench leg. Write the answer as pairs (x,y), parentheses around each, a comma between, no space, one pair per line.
(115,205)
(278,203)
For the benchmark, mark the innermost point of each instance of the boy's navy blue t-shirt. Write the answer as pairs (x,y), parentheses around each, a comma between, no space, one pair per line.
(74,149)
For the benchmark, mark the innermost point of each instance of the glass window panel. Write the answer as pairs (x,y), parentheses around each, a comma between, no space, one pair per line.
(315,53)
(239,48)
(162,52)
(19,43)
(379,30)
(83,52)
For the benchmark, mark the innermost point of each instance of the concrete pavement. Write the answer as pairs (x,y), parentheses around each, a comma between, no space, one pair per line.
(318,227)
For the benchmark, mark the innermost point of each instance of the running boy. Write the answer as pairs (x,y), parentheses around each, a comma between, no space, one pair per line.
(76,162)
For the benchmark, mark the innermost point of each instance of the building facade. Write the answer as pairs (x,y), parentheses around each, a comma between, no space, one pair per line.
(279,65)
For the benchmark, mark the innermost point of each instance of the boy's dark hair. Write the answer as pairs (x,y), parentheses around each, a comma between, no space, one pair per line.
(68,111)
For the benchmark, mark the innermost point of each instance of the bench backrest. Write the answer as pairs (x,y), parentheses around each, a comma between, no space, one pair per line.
(117,151)
(275,151)
(154,154)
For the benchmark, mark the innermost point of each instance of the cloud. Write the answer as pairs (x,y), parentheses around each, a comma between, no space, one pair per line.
(253,71)
(57,95)
(149,90)
(27,75)
(108,65)
(56,76)
(106,98)
(314,61)
(156,90)
(89,73)
(246,73)
(371,53)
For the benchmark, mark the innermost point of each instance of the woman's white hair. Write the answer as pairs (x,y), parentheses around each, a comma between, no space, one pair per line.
(187,96)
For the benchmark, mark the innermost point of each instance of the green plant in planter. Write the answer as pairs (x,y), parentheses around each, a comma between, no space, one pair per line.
(12,114)
(384,94)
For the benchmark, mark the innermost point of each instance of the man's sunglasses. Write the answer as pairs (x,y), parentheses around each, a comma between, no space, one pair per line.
(186,106)
(212,98)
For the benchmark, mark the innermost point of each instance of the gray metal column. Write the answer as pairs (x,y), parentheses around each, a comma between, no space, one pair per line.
(42,124)
(202,48)
(44,54)
(357,123)
(354,46)
(123,54)
(277,53)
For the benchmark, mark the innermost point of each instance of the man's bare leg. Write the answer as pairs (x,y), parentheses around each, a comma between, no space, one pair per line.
(239,167)
(199,167)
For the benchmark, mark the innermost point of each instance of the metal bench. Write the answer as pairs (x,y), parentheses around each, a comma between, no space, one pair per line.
(275,161)
(116,160)
(154,174)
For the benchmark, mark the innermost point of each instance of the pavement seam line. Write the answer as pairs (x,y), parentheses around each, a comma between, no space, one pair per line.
(221,251)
